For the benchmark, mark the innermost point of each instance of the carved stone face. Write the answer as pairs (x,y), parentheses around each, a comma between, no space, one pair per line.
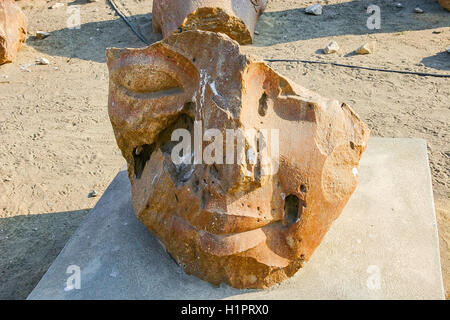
(235,18)
(230,222)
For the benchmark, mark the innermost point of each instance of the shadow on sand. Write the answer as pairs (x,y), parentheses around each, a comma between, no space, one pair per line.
(440,61)
(91,39)
(348,18)
(28,246)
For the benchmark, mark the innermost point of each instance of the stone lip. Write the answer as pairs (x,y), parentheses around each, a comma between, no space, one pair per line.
(383,246)
(237,19)
(13,30)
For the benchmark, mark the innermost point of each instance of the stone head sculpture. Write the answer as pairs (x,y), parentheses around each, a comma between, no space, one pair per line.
(236,219)
(235,18)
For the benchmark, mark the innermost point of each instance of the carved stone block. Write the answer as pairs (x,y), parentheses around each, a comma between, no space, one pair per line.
(248,223)
(237,19)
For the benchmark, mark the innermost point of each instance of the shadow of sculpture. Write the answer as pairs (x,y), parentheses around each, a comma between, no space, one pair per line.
(440,61)
(348,18)
(91,39)
(28,246)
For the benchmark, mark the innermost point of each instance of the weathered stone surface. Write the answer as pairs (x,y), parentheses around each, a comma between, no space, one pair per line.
(229,222)
(445,4)
(13,30)
(237,19)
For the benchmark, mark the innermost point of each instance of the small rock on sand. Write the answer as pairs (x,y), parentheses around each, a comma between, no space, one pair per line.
(418,10)
(42,35)
(315,9)
(399,5)
(92,194)
(57,5)
(367,48)
(332,47)
(43,61)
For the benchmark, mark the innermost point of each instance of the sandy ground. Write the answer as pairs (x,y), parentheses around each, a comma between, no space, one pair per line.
(57,145)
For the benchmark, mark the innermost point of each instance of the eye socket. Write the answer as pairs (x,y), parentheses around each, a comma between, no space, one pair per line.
(146,80)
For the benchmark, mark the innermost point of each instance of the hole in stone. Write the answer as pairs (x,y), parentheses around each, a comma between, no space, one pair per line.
(291,208)
(195,185)
(214,171)
(190,106)
(262,109)
(182,172)
(303,188)
(352,145)
(141,155)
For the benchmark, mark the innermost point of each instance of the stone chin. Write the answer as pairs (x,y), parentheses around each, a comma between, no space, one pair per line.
(228,222)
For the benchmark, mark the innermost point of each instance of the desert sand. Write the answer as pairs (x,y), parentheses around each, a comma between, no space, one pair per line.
(57,144)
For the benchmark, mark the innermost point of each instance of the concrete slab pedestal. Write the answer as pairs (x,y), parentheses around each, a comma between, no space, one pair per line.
(383,246)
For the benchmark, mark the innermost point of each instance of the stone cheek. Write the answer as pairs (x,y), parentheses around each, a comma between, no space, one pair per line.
(231,222)
(237,19)
(13,30)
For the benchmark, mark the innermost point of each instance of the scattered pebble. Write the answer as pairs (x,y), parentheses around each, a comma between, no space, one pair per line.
(92,194)
(42,61)
(256,32)
(367,48)
(399,5)
(448,50)
(332,47)
(418,10)
(315,9)
(24,67)
(57,5)
(42,35)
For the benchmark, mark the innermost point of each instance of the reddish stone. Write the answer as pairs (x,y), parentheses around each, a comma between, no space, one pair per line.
(13,30)
(229,222)
(445,4)
(237,19)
